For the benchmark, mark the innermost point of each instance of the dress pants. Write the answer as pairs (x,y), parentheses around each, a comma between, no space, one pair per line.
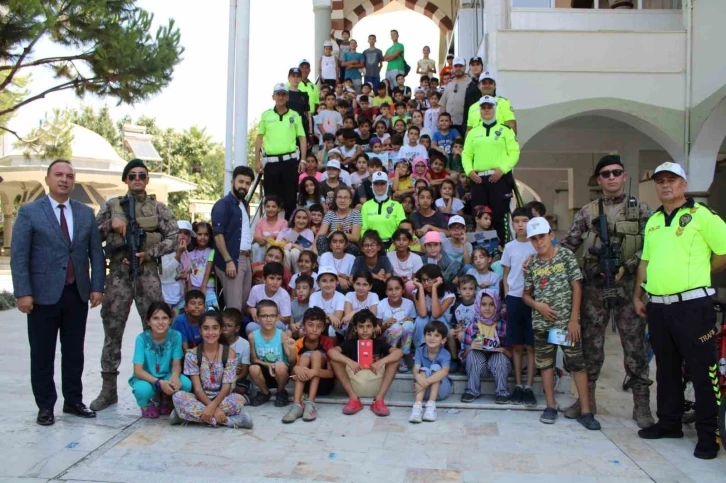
(281,180)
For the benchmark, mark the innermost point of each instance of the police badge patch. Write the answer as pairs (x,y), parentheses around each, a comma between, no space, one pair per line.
(389,211)
(497,133)
(684,220)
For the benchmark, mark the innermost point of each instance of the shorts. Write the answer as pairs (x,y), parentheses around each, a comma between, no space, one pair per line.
(269,380)
(365,383)
(546,353)
(519,322)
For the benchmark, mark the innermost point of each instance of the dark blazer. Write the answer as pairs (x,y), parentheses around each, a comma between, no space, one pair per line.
(39,253)
(227,221)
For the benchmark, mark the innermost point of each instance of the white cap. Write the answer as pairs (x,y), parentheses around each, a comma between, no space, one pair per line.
(280,87)
(487,75)
(326,271)
(488,100)
(335,151)
(185,225)
(457,219)
(327,43)
(459,61)
(537,226)
(379,177)
(669,167)
(304,61)
(419,89)
(334,163)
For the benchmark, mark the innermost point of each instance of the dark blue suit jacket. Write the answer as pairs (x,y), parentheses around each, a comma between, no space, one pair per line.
(39,253)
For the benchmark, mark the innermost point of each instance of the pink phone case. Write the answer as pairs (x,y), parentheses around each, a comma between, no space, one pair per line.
(365,353)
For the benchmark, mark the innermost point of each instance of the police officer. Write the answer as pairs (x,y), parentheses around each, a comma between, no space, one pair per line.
(685,241)
(280,132)
(505,111)
(490,152)
(381,213)
(160,229)
(308,87)
(473,94)
(626,223)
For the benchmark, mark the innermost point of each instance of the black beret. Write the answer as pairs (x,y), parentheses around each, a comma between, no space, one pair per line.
(608,160)
(134,163)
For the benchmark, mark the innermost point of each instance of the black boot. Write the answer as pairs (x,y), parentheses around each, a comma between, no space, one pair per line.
(659,431)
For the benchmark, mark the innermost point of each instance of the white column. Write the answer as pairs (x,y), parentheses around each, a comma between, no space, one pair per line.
(229,130)
(630,155)
(466,34)
(241,68)
(322,9)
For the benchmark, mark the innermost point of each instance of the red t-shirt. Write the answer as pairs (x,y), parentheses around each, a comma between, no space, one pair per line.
(324,344)
(442,175)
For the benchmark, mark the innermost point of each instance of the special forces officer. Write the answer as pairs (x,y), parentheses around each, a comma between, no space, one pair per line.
(626,222)
(122,286)
(685,242)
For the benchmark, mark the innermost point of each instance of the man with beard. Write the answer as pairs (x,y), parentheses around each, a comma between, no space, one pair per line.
(233,239)
(452,100)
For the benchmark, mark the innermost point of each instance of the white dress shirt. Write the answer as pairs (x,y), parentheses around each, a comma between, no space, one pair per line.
(245,243)
(68,212)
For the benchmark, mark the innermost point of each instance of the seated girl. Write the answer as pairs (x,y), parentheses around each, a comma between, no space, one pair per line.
(433,298)
(157,364)
(310,193)
(339,259)
(361,297)
(449,204)
(274,254)
(426,218)
(397,315)
(405,264)
(372,261)
(267,228)
(212,367)
(298,237)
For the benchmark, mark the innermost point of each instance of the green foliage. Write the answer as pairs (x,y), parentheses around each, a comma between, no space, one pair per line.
(52,139)
(108,47)
(11,95)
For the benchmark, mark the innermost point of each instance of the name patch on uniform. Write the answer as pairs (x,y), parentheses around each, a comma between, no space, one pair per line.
(653,228)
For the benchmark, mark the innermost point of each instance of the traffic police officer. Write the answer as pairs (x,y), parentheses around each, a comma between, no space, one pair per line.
(626,224)
(160,228)
(490,152)
(381,213)
(279,133)
(308,87)
(505,111)
(685,241)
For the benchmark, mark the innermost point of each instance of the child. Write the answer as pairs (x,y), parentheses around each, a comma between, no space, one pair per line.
(409,204)
(462,315)
(328,145)
(405,264)
(157,363)
(456,245)
(413,149)
(369,382)
(331,301)
(267,228)
(271,290)
(431,116)
(419,95)
(417,119)
(397,315)
(175,269)
(349,149)
(443,138)
(328,66)
(201,261)
(485,278)
(306,264)
(312,373)
(372,262)
(420,169)
(484,348)
(382,97)
(433,299)
(212,367)
(361,298)
(438,173)
(401,115)
(187,323)
(332,181)
(449,204)
(301,301)
(552,287)
(431,372)
(396,143)
(483,235)
(382,123)
(231,322)
(361,173)
(311,169)
(436,256)
(405,90)
(537,208)
(339,259)
(455,163)
(297,237)
(317,212)
(426,219)
(382,132)
(519,315)
(274,254)
(365,190)
(272,353)
(402,183)
(415,244)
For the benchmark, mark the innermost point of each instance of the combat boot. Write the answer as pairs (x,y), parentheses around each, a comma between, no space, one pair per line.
(108,393)
(641,408)
(574,411)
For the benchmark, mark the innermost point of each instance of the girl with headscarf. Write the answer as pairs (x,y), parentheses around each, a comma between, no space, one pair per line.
(483,348)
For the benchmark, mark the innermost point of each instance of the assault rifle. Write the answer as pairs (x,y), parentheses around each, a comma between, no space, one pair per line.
(135,236)
(608,260)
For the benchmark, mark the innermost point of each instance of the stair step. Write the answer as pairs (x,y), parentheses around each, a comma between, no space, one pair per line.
(403,383)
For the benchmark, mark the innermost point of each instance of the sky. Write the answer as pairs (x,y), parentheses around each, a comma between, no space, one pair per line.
(197,94)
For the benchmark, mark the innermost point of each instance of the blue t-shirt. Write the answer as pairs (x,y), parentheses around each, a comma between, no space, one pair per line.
(189,333)
(445,142)
(269,350)
(353,73)
(443,358)
(157,358)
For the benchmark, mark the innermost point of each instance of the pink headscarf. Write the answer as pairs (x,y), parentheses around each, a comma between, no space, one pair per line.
(477,307)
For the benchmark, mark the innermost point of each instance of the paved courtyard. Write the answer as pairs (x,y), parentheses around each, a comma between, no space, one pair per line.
(469,445)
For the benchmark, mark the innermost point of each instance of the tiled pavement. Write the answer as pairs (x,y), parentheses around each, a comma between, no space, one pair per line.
(469,445)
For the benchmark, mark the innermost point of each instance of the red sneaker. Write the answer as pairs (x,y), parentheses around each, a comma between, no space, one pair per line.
(379,408)
(353,406)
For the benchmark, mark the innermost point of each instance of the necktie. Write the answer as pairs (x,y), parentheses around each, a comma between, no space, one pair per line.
(70,275)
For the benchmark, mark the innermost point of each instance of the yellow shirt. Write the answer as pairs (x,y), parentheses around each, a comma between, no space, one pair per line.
(490,147)
(505,112)
(280,131)
(377,101)
(678,248)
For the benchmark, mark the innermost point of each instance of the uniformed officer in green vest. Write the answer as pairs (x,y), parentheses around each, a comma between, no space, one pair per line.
(685,242)
(505,111)
(381,213)
(307,86)
(276,149)
(490,152)
(626,224)
(122,289)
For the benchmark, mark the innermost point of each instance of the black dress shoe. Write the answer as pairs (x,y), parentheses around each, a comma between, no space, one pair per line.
(45,417)
(79,410)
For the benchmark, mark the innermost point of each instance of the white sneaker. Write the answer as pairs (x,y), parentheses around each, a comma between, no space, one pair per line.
(430,413)
(416,414)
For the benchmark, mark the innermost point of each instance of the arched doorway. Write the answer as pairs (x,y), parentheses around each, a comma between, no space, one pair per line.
(439,11)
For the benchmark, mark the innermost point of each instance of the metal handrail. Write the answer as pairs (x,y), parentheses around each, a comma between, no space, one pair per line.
(257,183)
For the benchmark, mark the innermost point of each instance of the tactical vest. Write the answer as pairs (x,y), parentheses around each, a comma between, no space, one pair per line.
(623,228)
(145,217)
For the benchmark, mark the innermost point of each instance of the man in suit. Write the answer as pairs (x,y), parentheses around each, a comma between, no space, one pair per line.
(54,241)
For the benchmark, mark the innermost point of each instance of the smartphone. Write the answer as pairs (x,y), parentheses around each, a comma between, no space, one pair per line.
(365,353)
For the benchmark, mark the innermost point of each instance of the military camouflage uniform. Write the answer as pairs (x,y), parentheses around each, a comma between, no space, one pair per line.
(549,282)
(594,315)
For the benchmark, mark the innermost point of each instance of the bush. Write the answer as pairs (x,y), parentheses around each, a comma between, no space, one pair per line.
(7,301)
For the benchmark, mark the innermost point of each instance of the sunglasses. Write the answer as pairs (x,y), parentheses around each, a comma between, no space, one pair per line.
(133,176)
(615,173)
(456,88)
